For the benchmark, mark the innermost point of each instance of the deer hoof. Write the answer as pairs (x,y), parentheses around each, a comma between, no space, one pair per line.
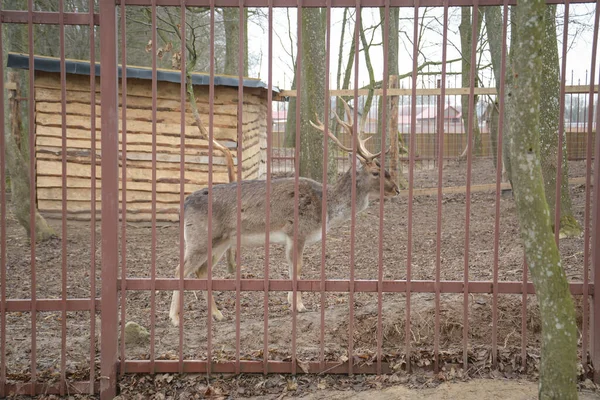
(300,308)
(175,319)
(218,316)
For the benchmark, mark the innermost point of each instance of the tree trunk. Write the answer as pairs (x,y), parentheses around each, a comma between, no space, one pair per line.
(339,107)
(289,139)
(508,108)
(493,114)
(466,38)
(231,22)
(311,97)
(558,367)
(393,132)
(395,138)
(549,131)
(18,170)
(311,92)
(493,27)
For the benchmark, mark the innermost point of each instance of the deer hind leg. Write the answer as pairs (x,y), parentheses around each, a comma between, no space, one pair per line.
(191,262)
(231,264)
(289,253)
(202,272)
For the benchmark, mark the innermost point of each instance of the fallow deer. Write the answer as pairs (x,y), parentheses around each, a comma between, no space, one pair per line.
(281,227)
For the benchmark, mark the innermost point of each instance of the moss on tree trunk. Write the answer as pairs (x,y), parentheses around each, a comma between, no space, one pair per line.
(558,367)
(549,131)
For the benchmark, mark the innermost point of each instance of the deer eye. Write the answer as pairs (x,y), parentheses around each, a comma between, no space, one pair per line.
(376,173)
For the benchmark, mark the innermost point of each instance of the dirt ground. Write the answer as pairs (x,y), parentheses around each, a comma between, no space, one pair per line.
(366,252)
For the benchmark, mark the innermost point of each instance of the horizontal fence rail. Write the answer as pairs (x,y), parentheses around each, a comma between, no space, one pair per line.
(180,165)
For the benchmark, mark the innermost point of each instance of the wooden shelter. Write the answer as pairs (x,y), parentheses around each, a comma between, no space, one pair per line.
(139,129)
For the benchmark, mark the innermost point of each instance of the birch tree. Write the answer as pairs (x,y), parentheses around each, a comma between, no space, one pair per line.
(558,366)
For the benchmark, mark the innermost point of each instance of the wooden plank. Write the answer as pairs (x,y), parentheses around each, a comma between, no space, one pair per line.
(192,138)
(133,196)
(431,92)
(48,95)
(83,183)
(84,206)
(80,122)
(191,168)
(170,117)
(82,155)
(54,168)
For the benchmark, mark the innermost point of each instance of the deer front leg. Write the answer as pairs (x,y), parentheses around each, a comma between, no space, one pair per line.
(175,311)
(290,259)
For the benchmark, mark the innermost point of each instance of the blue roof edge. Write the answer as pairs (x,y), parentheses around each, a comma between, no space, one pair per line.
(80,67)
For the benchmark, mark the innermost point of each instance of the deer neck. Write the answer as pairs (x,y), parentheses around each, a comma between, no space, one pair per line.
(339,203)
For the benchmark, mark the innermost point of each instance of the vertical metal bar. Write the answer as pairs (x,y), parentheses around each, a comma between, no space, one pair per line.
(324,179)
(153,207)
(211,148)
(63,109)
(268,188)
(240,137)
(524,316)
(438,250)
(498,187)
(299,57)
(588,178)
(32,197)
(123,181)
(411,181)
(595,314)
(92,29)
(468,189)
(384,127)
(183,102)
(357,132)
(561,123)
(2,228)
(110,198)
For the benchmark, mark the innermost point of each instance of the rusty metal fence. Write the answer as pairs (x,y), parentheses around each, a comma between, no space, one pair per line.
(91,309)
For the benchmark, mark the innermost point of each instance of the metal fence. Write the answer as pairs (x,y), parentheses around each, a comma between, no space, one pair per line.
(371,280)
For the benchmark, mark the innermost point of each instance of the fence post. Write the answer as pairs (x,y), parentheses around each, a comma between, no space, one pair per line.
(595,314)
(110,197)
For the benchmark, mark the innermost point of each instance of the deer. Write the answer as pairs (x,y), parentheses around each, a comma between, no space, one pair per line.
(282,206)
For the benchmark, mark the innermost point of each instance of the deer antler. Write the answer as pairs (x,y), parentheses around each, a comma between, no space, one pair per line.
(361,147)
(319,125)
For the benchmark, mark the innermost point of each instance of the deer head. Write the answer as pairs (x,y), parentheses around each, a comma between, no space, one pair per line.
(371,170)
